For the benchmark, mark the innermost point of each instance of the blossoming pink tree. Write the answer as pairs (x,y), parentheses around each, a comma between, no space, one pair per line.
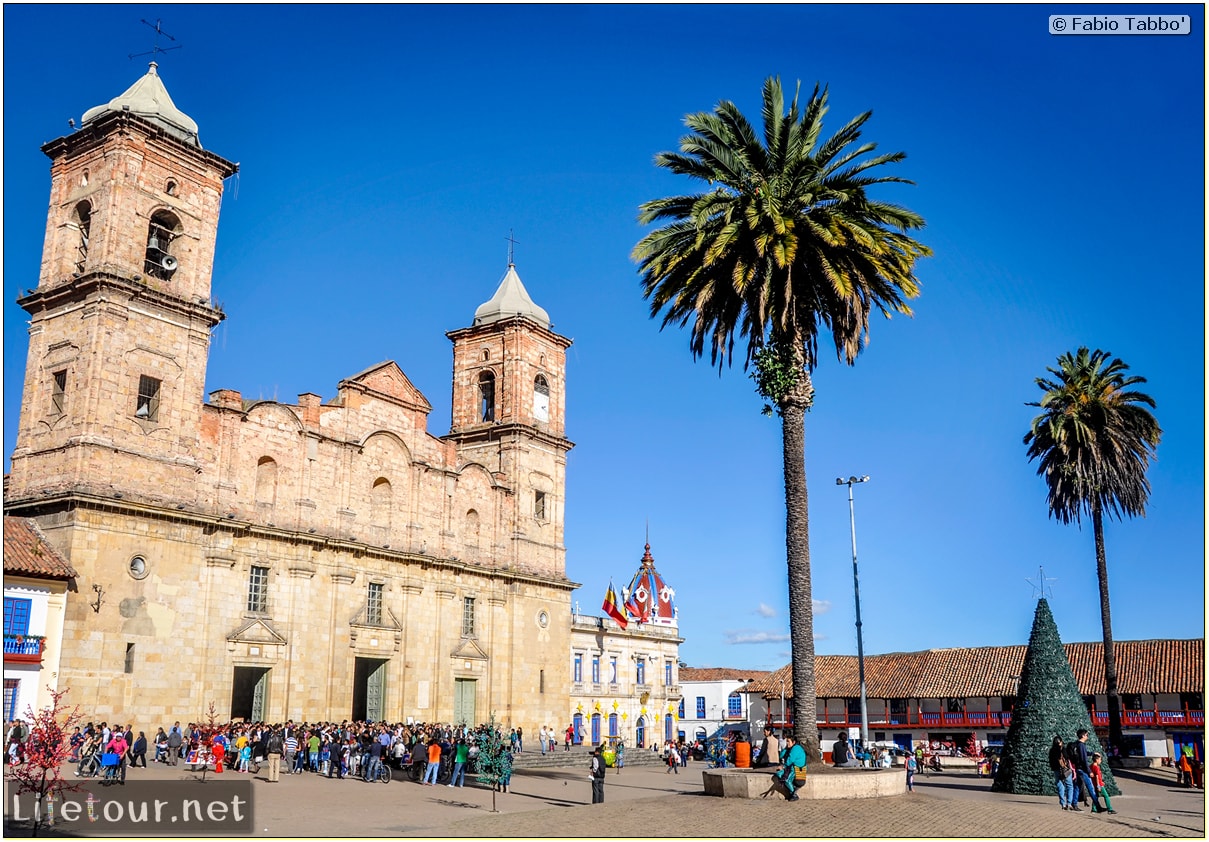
(45,752)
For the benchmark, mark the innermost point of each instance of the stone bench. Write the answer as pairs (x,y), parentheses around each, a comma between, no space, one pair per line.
(848,783)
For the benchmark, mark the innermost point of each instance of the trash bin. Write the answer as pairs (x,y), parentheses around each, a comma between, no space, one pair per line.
(742,755)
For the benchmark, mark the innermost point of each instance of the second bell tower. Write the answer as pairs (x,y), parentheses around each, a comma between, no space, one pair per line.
(509,414)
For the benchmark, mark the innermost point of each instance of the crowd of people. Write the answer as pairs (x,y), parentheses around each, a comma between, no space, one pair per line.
(441,753)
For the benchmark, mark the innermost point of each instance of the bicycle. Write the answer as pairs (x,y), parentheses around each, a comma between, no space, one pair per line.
(89,767)
(380,775)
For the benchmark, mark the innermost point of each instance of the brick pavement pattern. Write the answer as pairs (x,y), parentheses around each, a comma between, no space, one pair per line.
(645,801)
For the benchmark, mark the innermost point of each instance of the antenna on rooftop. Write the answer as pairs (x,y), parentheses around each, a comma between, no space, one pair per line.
(511,248)
(1039,586)
(155,50)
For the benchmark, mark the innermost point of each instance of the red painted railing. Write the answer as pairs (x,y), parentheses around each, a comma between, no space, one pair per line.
(1001,719)
(1153,718)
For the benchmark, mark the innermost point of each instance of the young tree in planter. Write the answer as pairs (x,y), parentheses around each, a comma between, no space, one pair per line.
(206,730)
(1048,704)
(45,751)
(494,761)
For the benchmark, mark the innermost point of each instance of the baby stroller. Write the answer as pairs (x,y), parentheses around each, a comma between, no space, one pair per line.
(111,763)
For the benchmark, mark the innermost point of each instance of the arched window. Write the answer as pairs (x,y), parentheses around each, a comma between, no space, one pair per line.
(472,528)
(734,706)
(266,481)
(612,725)
(541,398)
(487,396)
(379,502)
(83,223)
(596,729)
(161,235)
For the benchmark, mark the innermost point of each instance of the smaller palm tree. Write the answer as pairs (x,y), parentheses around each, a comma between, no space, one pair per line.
(1094,440)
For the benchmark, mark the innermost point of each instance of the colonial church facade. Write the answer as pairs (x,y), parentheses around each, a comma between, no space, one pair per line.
(327,559)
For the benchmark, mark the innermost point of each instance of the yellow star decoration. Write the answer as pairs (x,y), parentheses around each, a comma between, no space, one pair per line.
(643,711)
(596,707)
(580,707)
(624,716)
(615,705)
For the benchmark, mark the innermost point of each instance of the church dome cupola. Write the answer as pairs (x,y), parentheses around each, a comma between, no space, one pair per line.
(510,299)
(148,98)
(648,598)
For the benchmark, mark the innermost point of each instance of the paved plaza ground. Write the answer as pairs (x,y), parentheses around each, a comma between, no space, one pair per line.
(649,802)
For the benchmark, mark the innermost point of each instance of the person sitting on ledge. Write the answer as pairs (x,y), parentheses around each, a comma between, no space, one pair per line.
(841,753)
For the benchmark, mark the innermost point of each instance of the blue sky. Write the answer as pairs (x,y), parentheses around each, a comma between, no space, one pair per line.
(387,151)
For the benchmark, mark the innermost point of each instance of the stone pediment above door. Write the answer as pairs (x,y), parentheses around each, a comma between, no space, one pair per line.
(383,630)
(468,647)
(257,631)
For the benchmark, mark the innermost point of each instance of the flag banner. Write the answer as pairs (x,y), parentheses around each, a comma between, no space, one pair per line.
(612,608)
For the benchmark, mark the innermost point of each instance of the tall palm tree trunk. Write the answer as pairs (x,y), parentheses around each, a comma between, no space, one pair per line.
(797,545)
(1110,658)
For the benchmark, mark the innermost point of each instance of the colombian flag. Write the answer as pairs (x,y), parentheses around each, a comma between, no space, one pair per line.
(611,607)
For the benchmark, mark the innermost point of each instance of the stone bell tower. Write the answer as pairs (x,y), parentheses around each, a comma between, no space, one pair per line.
(121,316)
(509,414)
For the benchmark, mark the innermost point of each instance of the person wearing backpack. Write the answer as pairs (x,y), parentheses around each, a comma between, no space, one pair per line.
(275,745)
(596,771)
(1063,776)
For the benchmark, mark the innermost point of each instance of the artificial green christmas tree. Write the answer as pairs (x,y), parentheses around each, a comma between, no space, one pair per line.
(1047,704)
(495,760)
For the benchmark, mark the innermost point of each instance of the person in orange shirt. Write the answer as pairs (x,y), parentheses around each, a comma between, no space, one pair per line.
(434,762)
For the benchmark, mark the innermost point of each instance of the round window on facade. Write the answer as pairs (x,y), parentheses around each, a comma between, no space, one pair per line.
(543,619)
(138,567)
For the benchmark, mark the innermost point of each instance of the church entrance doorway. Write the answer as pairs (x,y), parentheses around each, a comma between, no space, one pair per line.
(249,688)
(464,691)
(640,732)
(369,689)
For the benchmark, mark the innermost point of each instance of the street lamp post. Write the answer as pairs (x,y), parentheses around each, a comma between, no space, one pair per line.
(856,588)
(782,707)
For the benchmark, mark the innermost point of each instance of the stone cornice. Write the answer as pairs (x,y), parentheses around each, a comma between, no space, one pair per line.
(500,432)
(109,278)
(94,502)
(99,129)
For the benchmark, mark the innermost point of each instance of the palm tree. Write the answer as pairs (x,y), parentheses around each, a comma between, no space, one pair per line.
(1094,440)
(784,244)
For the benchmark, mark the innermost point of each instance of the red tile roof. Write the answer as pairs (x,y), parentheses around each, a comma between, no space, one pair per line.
(27,552)
(719,674)
(1143,666)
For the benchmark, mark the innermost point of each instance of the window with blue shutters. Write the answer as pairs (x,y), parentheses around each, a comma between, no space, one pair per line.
(16,615)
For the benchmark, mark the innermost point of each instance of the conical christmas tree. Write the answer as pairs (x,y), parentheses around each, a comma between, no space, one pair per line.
(1048,704)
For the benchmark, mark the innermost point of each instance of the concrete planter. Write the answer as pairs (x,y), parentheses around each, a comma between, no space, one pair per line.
(849,783)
